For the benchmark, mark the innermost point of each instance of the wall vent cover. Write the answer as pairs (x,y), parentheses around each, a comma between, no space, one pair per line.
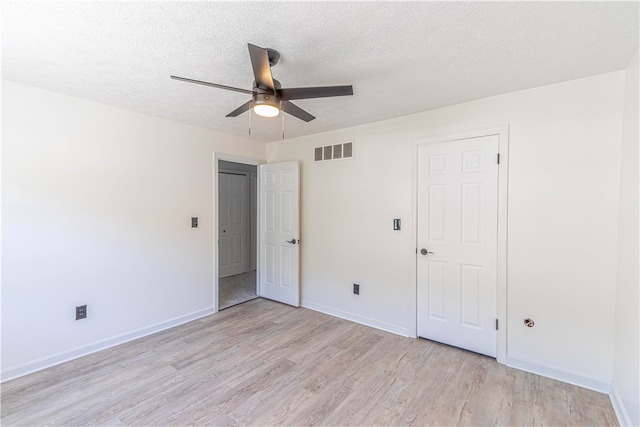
(334,152)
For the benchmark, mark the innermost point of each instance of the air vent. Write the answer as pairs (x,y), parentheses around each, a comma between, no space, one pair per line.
(347,149)
(337,151)
(328,152)
(334,152)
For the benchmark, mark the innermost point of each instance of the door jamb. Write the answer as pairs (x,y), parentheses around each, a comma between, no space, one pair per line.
(229,158)
(503,186)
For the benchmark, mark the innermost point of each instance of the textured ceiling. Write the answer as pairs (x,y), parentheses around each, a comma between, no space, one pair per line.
(401,58)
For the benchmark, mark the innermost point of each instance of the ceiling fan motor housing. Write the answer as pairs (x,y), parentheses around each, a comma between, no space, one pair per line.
(266,99)
(266,96)
(262,89)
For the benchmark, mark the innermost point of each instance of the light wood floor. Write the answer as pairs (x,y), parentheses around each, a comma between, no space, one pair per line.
(263,363)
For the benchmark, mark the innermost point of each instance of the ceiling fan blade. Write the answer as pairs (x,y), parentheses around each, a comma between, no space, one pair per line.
(295,111)
(261,67)
(314,92)
(241,109)
(236,89)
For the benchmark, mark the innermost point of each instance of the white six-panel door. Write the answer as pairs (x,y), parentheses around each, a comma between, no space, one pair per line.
(233,223)
(279,232)
(457,243)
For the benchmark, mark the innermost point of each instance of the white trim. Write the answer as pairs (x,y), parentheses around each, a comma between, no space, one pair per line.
(238,159)
(414,241)
(561,374)
(503,192)
(503,221)
(214,227)
(388,327)
(618,406)
(75,353)
(258,235)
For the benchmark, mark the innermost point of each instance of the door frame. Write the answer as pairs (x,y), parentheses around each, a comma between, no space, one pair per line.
(217,156)
(503,191)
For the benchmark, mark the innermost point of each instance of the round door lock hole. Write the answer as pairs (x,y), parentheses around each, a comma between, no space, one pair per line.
(529,323)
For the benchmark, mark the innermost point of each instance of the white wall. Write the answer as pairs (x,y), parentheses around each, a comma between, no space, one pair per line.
(626,375)
(96,209)
(563,212)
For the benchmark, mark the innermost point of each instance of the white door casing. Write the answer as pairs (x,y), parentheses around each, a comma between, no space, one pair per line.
(279,232)
(253,247)
(233,220)
(458,222)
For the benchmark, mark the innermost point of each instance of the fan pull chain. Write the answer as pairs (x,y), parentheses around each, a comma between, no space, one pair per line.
(250,111)
(282,113)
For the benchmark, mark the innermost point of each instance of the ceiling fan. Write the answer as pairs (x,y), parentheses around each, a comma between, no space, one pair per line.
(268,97)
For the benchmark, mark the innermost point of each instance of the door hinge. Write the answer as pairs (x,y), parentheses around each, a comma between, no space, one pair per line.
(498,158)
(496,324)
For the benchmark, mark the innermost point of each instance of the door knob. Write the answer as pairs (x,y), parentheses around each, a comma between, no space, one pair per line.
(292,241)
(423,251)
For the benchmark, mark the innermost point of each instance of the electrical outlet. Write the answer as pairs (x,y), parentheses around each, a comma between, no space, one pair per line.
(81,312)
(356,289)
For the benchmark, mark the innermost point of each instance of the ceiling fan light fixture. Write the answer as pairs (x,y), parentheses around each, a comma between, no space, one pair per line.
(266,110)
(266,105)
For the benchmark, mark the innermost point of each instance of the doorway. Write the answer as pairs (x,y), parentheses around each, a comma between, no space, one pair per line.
(237,233)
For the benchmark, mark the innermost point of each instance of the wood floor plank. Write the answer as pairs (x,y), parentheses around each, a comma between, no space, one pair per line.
(265,363)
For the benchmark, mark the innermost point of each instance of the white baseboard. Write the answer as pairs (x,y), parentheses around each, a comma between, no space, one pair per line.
(67,355)
(388,327)
(618,406)
(561,374)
